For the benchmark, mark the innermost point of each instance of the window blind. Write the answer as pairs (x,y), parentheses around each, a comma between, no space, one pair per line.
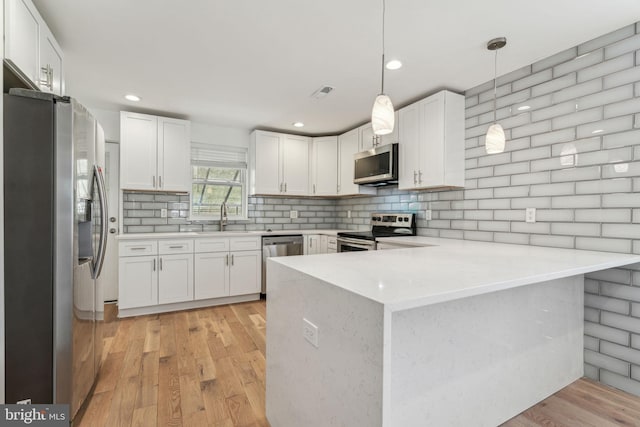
(211,155)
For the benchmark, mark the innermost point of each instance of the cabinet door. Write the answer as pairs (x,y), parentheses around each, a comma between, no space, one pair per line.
(409,146)
(245,272)
(295,164)
(211,276)
(267,173)
(348,143)
(174,155)
(137,282)
(312,244)
(22,25)
(431,158)
(138,154)
(325,166)
(367,137)
(175,278)
(323,244)
(50,62)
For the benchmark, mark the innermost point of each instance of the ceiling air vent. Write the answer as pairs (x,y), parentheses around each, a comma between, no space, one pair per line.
(322,92)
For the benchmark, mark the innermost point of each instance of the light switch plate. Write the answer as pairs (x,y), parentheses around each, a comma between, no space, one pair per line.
(427,215)
(163,213)
(293,214)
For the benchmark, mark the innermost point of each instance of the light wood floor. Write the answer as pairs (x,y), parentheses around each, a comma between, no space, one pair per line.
(206,367)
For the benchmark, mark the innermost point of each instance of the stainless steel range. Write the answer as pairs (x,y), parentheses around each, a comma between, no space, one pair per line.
(382,225)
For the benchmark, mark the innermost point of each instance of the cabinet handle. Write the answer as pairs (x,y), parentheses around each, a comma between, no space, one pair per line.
(48,80)
(154,181)
(160,264)
(420,177)
(138,249)
(310,243)
(159,181)
(281,187)
(231,259)
(314,189)
(154,264)
(176,247)
(226,259)
(415,177)
(285,187)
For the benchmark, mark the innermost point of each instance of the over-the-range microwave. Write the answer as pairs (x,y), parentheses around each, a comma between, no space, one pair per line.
(377,166)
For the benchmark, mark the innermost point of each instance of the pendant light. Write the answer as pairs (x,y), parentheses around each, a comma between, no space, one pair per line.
(494,141)
(382,115)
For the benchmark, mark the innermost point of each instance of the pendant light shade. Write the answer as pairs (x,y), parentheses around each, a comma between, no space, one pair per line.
(495,141)
(382,115)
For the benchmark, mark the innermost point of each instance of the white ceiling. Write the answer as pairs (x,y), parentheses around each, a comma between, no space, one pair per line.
(255,63)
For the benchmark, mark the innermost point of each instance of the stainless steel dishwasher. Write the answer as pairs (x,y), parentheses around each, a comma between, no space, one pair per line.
(273,246)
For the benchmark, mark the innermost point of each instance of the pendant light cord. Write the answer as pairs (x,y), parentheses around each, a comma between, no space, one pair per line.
(495,85)
(383,13)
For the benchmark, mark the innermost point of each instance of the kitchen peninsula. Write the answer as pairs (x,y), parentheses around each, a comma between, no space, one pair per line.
(455,333)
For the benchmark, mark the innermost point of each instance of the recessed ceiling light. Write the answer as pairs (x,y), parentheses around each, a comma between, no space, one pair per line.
(298,124)
(132,97)
(524,107)
(394,64)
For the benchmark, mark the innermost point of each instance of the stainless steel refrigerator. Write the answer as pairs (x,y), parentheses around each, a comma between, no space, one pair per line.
(55,241)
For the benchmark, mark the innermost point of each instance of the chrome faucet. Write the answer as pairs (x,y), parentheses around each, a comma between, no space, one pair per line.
(223,215)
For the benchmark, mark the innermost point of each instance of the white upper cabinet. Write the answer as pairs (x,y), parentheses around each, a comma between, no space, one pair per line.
(295,164)
(324,166)
(30,48)
(431,136)
(279,164)
(348,145)
(368,139)
(154,153)
(174,163)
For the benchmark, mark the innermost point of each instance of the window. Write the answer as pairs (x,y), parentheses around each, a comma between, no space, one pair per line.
(218,175)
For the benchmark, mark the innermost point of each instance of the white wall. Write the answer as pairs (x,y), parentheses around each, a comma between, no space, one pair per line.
(200,132)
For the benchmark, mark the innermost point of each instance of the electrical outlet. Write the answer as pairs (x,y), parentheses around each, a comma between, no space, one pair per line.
(427,214)
(163,213)
(348,214)
(530,215)
(24,402)
(293,214)
(310,332)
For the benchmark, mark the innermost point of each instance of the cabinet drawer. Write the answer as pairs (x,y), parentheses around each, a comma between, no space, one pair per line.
(138,247)
(245,243)
(168,247)
(212,245)
(332,242)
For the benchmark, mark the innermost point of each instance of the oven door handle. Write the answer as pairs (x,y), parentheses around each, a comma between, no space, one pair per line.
(357,243)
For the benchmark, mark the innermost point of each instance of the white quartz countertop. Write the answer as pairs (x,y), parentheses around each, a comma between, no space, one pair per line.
(447,269)
(196,234)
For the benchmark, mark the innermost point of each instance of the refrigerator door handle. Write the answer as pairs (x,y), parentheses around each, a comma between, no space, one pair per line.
(104,227)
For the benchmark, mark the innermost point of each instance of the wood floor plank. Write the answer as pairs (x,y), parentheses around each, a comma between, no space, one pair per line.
(152,337)
(169,411)
(123,402)
(145,417)
(207,367)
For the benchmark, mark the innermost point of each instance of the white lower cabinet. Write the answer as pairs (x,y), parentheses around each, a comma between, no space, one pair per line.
(138,281)
(211,275)
(175,278)
(311,244)
(245,273)
(161,272)
(226,273)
